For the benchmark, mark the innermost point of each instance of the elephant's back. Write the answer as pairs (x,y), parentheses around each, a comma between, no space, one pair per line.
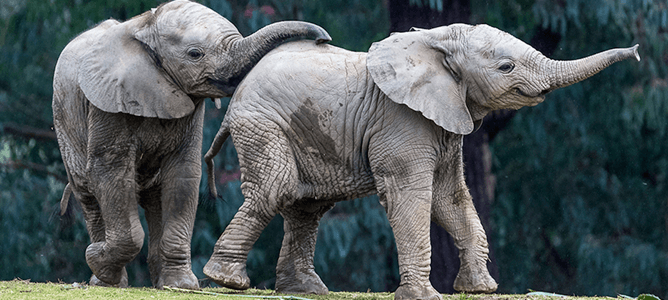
(304,62)
(299,71)
(311,48)
(306,56)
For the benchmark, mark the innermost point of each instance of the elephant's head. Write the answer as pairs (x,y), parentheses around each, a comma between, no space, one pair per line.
(158,63)
(456,74)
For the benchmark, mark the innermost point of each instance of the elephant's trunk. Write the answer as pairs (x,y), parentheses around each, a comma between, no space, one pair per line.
(246,52)
(564,73)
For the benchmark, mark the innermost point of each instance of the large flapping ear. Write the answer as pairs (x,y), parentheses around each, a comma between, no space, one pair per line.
(410,70)
(121,74)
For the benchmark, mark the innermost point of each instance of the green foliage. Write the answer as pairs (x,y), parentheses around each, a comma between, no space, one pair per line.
(31,173)
(353,25)
(581,202)
(34,244)
(513,16)
(433,4)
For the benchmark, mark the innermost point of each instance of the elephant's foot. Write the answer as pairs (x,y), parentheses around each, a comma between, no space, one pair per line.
(230,275)
(180,278)
(107,265)
(411,291)
(122,284)
(474,278)
(471,281)
(307,282)
(109,275)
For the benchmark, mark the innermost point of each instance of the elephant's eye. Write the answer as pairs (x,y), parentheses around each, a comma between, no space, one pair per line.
(507,67)
(195,53)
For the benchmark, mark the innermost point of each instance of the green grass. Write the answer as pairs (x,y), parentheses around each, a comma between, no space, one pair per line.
(24,289)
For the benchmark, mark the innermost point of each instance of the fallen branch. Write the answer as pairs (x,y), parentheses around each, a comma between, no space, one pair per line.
(232,295)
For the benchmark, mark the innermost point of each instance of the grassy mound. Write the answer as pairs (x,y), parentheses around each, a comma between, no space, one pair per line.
(24,289)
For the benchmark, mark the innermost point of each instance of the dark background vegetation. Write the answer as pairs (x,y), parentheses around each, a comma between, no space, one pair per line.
(573,193)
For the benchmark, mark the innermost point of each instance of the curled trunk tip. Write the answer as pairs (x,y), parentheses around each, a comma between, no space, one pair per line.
(635,52)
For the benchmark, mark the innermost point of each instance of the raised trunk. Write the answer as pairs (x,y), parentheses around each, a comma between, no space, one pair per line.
(246,52)
(564,73)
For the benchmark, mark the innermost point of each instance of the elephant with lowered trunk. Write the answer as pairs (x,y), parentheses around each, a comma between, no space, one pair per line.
(316,124)
(128,113)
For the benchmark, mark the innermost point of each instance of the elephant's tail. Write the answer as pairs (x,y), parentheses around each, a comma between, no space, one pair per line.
(221,136)
(65,199)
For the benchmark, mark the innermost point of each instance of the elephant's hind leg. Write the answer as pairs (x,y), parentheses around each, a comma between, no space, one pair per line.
(267,174)
(227,265)
(150,201)
(295,273)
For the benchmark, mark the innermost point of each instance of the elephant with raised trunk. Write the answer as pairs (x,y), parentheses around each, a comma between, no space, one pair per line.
(128,109)
(316,124)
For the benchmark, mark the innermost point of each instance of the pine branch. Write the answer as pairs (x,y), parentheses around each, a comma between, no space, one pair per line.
(27,131)
(34,167)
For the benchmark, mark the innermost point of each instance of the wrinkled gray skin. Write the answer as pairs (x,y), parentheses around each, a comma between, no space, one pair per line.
(128,109)
(314,125)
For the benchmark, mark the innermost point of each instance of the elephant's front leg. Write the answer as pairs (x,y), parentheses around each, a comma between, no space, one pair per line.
(295,273)
(407,200)
(179,197)
(115,188)
(458,216)
(453,210)
(95,225)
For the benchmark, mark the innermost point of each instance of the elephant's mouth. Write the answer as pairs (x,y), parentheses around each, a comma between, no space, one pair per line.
(535,98)
(530,95)
(224,86)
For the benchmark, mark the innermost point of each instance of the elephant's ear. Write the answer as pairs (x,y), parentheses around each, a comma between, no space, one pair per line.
(121,74)
(412,72)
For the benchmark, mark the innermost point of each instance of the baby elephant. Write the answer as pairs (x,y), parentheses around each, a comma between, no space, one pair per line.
(128,110)
(316,124)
